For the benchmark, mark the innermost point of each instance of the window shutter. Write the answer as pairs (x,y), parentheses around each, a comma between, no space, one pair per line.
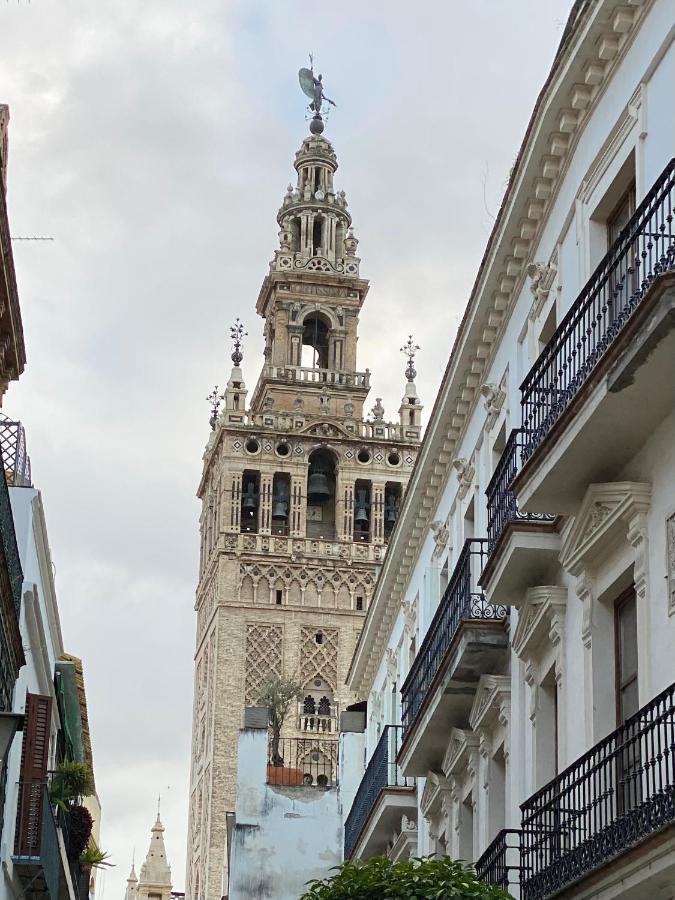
(33,775)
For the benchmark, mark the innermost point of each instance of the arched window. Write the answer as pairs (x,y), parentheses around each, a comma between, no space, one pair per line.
(315,336)
(317,235)
(309,705)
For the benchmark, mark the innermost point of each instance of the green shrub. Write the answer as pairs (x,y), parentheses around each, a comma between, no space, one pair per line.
(416,879)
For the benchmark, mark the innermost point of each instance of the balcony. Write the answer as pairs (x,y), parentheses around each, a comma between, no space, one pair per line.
(523,548)
(302,762)
(500,864)
(466,638)
(384,796)
(318,721)
(619,796)
(320,377)
(606,379)
(39,852)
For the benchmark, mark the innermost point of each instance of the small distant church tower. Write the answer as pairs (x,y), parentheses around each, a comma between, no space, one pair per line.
(155,880)
(300,490)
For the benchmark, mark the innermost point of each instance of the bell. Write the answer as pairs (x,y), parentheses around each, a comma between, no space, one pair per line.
(390,511)
(318,487)
(280,505)
(249,501)
(361,513)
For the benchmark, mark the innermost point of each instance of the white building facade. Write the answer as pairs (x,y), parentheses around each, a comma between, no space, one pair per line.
(518,655)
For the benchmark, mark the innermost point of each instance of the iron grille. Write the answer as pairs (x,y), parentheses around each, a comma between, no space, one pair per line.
(37,836)
(298,762)
(381,772)
(14,453)
(461,600)
(501,502)
(617,794)
(644,250)
(500,864)
(11,551)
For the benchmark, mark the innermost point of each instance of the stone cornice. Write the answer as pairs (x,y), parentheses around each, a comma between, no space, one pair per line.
(605,510)
(492,703)
(540,619)
(596,39)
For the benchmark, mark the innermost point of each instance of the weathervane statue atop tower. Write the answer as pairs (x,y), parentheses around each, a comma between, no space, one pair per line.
(313,88)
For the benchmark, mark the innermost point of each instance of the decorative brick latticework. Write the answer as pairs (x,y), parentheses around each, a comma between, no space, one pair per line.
(263,658)
(319,659)
(281,561)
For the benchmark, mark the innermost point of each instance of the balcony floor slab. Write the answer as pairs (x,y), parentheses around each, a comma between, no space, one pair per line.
(480,646)
(644,871)
(613,414)
(384,821)
(526,555)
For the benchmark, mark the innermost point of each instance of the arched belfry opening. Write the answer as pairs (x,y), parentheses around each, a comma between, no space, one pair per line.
(321,494)
(315,341)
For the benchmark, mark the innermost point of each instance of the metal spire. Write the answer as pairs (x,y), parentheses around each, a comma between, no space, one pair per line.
(214,399)
(237,333)
(409,349)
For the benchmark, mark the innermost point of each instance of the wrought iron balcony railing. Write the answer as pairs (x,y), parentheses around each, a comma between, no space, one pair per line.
(36,840)
(381,772)
(298,762)
(616,795)
(461,600)
(644,250)
(500,864)
(501,502)
(9,546)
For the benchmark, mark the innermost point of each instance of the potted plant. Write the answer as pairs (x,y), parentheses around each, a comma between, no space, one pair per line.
(277,694)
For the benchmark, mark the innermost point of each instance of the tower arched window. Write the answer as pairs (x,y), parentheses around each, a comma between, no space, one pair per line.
(317,235)
(315,331)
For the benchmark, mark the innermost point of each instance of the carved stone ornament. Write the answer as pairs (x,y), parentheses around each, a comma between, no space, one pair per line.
(465,472)
(408,824)
(391,662)
(409,617)
(542,276)
(441,534)
(494,400)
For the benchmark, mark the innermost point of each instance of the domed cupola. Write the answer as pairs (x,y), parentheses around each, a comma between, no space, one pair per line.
(314,225)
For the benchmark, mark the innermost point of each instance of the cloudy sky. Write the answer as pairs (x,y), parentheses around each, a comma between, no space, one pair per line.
(154,142)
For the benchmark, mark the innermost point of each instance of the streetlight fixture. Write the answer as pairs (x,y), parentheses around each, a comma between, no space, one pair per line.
(10,723)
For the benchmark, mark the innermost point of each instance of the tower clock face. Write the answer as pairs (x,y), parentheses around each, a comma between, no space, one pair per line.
(315,514)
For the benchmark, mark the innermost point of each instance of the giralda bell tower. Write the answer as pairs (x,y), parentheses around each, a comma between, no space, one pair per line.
(299,495)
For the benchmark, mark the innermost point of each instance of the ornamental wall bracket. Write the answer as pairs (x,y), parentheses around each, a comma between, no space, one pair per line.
(391,662)
(441,535)
(465,472)
(494,400)
(409,610)
(542,276)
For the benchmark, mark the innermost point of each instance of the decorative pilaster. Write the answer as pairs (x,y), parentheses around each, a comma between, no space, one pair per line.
(265,508)
(347,492)
(297,507)
(377,513)
(234,493)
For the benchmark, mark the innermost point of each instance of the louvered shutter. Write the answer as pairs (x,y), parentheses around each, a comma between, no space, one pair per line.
(33,777)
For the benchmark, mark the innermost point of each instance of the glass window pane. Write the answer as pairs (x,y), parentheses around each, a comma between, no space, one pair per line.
(628,639)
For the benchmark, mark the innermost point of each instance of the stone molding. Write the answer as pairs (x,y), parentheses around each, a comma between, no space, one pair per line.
(461,753)
(435,788)
(606,511)
(540,619)
(492,703)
